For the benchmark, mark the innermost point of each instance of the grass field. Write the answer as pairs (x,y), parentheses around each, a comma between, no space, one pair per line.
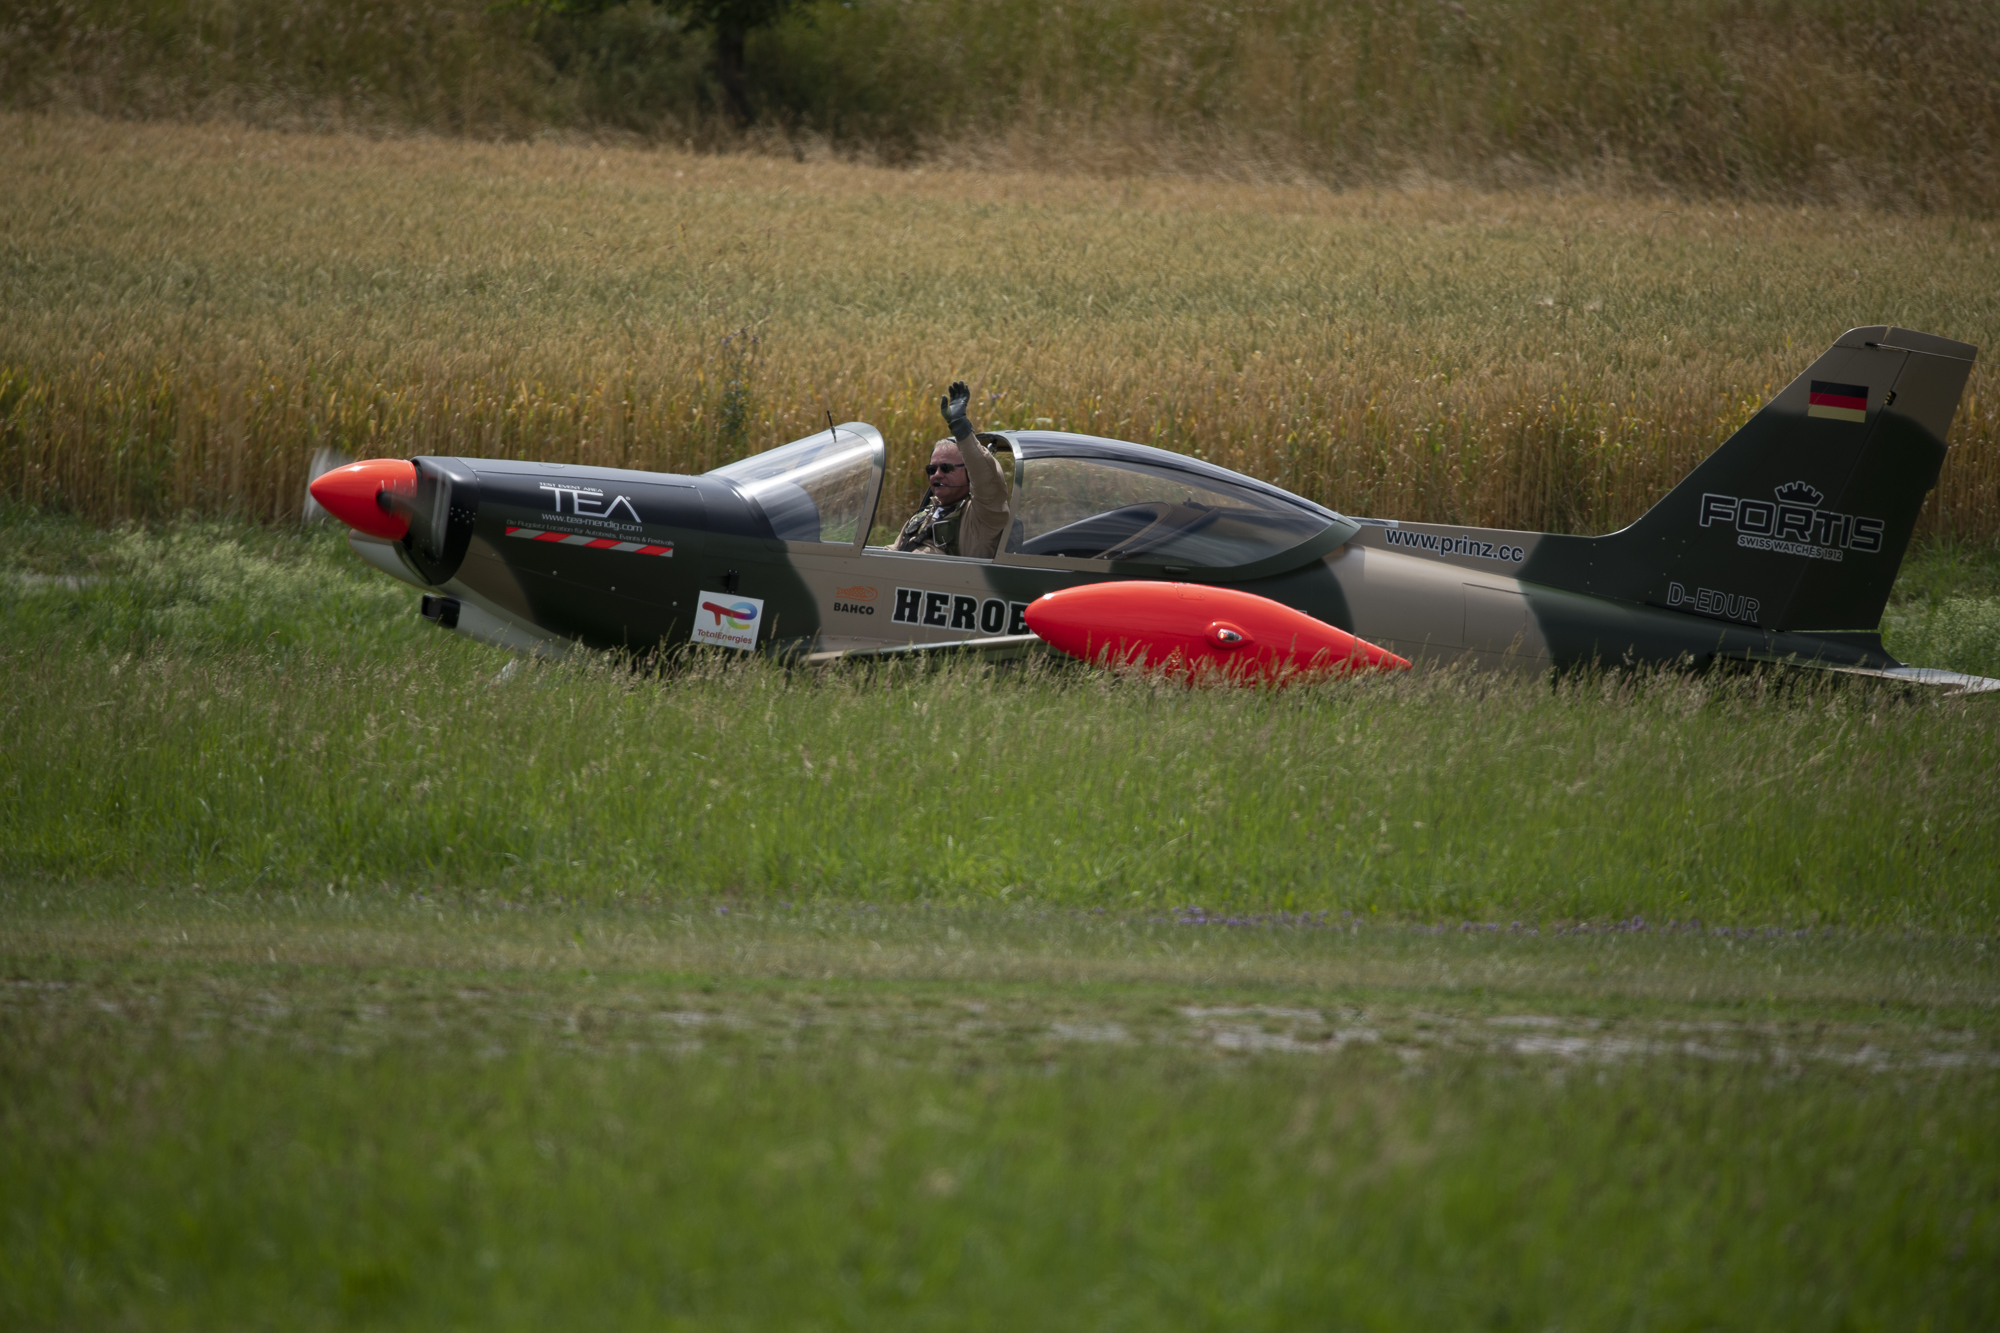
(351,976)
(281,718)
(193,310)
(348,982)
(319,1109)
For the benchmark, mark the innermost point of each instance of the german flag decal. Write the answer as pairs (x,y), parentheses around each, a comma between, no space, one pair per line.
(1842,402)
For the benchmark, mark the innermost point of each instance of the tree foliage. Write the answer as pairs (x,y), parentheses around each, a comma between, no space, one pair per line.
(729,22)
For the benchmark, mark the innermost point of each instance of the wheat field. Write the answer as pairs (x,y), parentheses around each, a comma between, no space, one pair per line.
(193,310)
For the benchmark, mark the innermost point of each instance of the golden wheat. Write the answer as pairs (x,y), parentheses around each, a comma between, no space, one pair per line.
(191,311)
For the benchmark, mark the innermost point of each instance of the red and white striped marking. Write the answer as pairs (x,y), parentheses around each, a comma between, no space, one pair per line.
(594,543)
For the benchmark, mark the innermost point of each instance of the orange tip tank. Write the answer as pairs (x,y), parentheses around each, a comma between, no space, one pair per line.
(1193,629)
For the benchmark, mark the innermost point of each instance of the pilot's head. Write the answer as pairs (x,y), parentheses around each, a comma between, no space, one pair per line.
(948,484)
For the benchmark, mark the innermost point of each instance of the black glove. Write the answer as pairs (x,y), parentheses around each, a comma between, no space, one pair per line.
(953,406)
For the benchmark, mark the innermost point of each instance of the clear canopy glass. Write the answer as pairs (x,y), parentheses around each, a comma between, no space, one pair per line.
(819,489)
(1101,509)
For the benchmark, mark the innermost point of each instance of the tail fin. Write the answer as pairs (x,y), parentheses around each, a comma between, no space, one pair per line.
(1800,519)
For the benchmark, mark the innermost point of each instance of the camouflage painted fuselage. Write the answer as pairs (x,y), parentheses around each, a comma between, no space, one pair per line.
(1782,545)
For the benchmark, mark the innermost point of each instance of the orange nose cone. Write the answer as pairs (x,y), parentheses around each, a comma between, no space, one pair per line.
(353,494)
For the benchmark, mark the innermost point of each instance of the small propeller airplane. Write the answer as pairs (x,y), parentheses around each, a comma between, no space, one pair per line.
(1780,547)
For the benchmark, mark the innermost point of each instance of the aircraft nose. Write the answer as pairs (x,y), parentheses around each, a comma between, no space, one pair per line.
(357,495)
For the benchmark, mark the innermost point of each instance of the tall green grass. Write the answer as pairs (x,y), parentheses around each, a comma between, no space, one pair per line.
(1885,101)
(1441,797)
(205,714)
(1947,608)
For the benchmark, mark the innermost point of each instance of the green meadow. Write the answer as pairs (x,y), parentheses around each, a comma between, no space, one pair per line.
(210,705)
(323,1110)
(356,975)
(351,976)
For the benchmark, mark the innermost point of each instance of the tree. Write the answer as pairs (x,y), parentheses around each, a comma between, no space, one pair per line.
(729,24)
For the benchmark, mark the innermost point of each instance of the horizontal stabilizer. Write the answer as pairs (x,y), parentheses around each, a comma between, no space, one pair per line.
(1950,682)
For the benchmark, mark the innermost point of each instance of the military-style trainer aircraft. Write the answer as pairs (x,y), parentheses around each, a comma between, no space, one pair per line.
(1781,546)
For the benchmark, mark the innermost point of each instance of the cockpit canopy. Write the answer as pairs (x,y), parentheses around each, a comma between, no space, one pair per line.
(1075,498)
(819,489)
(1085,498)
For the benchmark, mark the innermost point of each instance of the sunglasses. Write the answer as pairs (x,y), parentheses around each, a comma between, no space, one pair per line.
(932,469)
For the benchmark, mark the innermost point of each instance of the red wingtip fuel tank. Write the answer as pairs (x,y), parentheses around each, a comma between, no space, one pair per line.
(1194,628)
(353,494)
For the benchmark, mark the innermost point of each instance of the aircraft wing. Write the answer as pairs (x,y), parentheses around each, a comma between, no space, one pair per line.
(993,648)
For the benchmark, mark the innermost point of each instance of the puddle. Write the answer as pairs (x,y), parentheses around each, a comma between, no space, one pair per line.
(777,1026)
(63,582)
(1109,1033)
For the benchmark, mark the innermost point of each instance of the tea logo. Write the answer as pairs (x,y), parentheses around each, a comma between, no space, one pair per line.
(728,621)
(589,501)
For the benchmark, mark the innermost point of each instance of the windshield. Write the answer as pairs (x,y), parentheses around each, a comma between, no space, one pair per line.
(1098,509)
(819,489)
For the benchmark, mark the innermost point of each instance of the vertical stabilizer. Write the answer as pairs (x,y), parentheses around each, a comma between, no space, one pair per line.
(1800,519)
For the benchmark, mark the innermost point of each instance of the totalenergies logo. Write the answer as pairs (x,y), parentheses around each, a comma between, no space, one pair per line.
(741,615)
(726,620)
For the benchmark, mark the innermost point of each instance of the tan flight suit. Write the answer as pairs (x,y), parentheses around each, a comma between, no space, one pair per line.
(975,524)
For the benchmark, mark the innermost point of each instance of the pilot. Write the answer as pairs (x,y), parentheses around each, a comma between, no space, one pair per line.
(966,511)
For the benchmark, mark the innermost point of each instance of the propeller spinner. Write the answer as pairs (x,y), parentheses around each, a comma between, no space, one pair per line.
(372,496)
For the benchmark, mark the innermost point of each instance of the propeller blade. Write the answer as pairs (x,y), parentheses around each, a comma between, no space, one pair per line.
(324,460)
